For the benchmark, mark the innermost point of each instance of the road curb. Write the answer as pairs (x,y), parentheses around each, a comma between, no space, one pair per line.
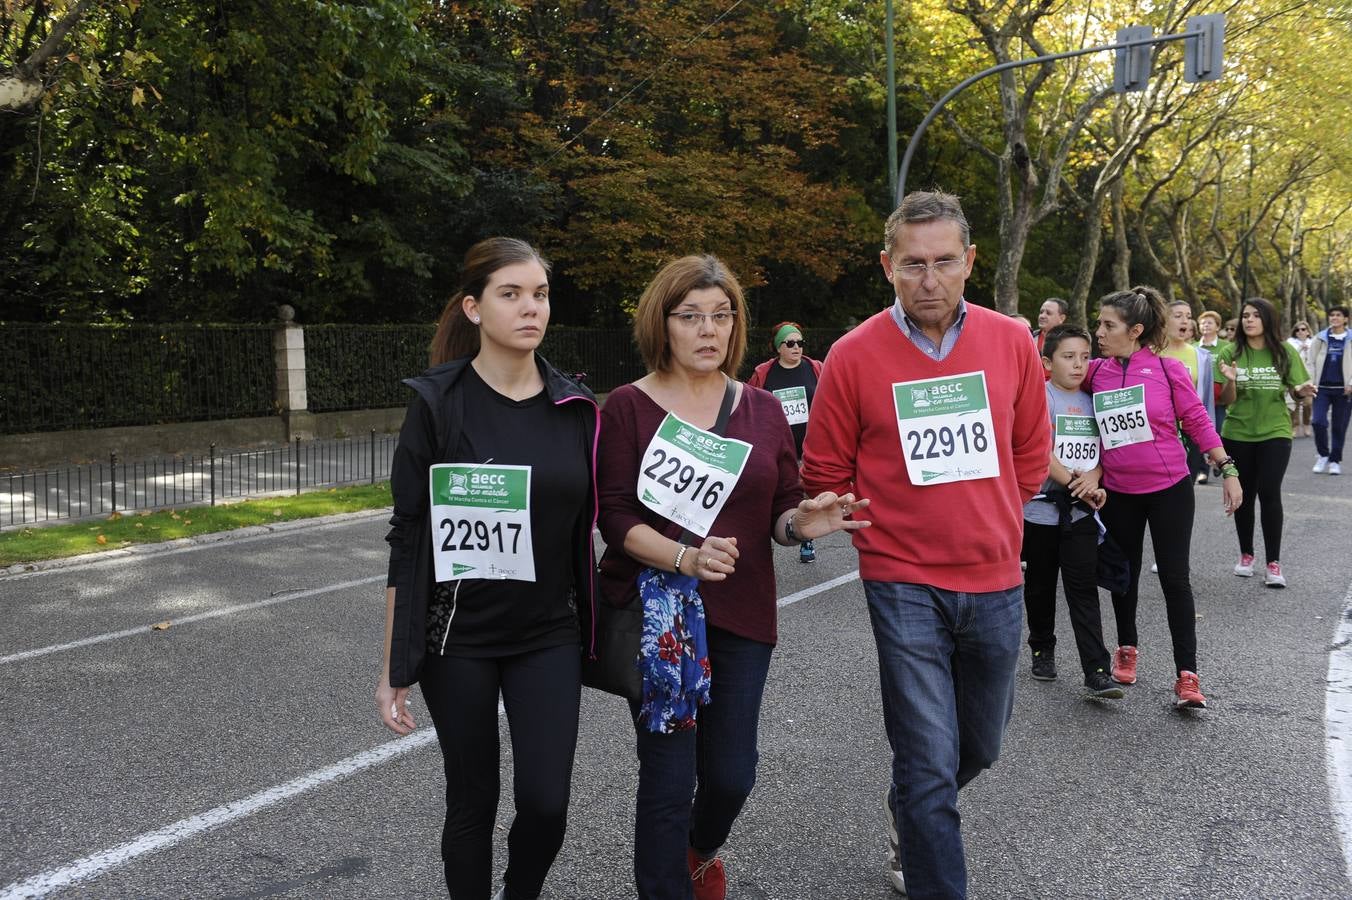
(213,537)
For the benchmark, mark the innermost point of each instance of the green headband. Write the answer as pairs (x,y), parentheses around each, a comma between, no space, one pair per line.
(784,332)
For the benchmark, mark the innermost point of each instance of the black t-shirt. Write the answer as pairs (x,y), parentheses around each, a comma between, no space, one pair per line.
(802,376)
(482,617)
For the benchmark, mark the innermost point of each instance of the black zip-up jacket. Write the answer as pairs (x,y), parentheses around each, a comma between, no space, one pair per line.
(431,431)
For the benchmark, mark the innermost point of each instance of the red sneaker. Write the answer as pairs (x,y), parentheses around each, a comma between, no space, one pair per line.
(707,875)
(1124,665)
(1188,692)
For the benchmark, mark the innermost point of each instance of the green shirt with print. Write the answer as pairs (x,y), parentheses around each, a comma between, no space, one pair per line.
(1259,411)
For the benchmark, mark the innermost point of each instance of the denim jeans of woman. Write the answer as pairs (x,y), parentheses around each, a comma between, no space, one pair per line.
(692,784)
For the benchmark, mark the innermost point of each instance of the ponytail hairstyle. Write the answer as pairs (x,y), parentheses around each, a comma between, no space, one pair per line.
(456,335)
(774,334)
(1272,339)
(1144,306)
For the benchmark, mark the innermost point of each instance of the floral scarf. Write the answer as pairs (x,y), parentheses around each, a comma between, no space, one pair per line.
(673,653)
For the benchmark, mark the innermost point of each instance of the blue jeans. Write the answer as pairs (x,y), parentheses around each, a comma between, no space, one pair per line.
(692,784)
(946,660)
(1328,441)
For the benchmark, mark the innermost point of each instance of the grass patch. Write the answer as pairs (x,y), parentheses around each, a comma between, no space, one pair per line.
(144,527)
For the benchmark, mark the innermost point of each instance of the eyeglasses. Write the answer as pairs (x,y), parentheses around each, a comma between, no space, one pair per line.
(793,344)
(721,319)
(917,271)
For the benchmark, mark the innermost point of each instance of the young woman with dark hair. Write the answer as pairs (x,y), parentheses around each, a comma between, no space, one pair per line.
(491,561)
(1140,400)
(1258,371)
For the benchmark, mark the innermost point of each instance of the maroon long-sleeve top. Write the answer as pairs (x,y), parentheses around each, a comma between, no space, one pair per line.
(744,603)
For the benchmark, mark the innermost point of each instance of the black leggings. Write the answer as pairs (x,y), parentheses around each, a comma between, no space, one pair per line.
(1072,550)
(1169,514)
(1262,466)
(540,691)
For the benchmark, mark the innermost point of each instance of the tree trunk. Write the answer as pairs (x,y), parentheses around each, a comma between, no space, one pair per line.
(1089,256)
(1121,249)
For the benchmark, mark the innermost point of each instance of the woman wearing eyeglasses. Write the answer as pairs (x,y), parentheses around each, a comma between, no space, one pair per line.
(1300,341)
(666,471)
(794,386)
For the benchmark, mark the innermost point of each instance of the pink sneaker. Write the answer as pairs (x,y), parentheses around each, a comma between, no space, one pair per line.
(1188,692)
(1274,577)
(1124,665)
(1244,568)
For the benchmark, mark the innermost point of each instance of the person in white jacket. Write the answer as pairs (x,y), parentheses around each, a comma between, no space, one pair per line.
(1300,340)
(1331,368)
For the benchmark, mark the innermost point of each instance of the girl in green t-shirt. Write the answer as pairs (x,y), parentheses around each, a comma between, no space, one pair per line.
(1257,371)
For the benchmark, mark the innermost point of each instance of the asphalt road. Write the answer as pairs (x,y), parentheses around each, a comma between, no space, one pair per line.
(238,755)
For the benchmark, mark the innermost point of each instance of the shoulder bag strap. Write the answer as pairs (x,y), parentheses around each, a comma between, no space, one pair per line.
(720,425)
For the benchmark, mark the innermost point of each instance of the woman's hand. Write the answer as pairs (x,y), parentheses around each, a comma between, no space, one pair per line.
(1232,494)
(1304,390)
(393,706)
(825,513)
(714,560)
(1229,371)
(1083,485)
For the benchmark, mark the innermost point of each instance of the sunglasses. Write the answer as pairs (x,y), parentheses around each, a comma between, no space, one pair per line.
(793,344)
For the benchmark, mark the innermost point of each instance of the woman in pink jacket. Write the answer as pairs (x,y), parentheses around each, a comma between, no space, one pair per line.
(1140,400)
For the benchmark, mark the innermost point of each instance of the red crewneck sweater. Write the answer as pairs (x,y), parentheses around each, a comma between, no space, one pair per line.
(960,536)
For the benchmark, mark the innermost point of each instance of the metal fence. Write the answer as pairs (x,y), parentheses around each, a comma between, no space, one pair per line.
(57,377)
(74,492)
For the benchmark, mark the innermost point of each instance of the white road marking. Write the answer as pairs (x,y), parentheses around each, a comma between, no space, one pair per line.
(1338,728)
(184,620)
(818,588)
(96,864)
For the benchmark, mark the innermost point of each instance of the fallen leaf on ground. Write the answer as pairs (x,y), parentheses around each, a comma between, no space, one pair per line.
(115,516)
(161,626)
(276,512)
(102,539)
(187,521)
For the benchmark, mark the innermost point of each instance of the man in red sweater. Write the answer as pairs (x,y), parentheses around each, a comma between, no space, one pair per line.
(935,409)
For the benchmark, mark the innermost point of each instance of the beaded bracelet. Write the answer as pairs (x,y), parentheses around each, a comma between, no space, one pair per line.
(680,555)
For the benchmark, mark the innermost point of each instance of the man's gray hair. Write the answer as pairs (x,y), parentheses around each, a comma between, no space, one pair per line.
(926,206)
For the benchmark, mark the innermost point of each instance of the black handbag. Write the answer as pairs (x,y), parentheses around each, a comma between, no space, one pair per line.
(619,629)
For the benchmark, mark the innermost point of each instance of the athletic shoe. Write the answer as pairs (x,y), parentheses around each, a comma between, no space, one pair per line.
(1274,577)
(1321,465)
(894,876)
(1098,686)
(707,875)
(1201,478)
(1044,665)
(1188,692)
(1244,568)
(1124,665)
(1335,468)
(806,552)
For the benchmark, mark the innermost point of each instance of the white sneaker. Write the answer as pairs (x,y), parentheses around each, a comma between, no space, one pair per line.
(1335,468)
(1273,577)
(894,875)
(1244,568)
(1321,465)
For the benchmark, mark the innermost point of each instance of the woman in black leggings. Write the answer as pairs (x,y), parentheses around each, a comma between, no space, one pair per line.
(491,562)
(1257,371)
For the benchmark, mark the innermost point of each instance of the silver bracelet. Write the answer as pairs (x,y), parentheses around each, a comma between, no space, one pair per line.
(789,534)
(680,555)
